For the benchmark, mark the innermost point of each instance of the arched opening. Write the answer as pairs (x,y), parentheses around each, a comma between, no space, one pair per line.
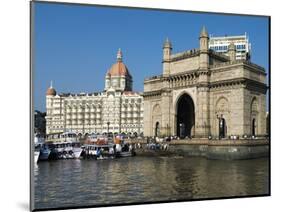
(185,116)
(254,117)
(254,127)
(222,128)
(157,130)
(86,135)
(222,117)
(156,119)
(135,134)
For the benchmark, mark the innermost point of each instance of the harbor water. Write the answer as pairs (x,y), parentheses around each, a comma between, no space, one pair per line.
(72,183)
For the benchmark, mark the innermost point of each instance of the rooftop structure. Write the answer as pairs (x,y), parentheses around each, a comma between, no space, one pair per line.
(241,42)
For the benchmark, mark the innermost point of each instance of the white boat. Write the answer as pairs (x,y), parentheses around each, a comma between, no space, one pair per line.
(41,148)
(44,152)
(64,145)
(123,149)
(99,151)
(36,156)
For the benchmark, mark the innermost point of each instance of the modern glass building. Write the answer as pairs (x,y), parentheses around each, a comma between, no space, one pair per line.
(241,42)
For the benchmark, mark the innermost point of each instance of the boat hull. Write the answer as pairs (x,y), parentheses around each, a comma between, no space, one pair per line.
(36,156)
(44,154)
(125,154)
(77,153)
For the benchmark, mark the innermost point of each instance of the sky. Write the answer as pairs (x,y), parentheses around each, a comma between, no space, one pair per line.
(75,45)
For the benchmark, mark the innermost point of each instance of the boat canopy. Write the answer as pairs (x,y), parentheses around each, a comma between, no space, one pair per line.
(102,146)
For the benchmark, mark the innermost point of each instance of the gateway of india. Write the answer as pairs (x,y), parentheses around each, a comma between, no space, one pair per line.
(203,93)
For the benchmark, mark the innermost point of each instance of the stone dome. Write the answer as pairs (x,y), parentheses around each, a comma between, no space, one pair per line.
(119,68)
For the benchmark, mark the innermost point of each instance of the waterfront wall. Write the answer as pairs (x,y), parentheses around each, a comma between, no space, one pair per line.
(220,150)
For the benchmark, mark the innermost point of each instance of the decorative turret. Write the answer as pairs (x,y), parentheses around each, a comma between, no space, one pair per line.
(232,52)
(167,51)
(119,55)
(118,76)
(204,32)
(51,91)
(167,44)
(204,46)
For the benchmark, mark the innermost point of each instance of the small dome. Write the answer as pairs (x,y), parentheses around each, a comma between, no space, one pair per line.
(51,92)
(119,68)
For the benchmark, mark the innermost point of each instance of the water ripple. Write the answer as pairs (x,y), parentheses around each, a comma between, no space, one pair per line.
(67,183)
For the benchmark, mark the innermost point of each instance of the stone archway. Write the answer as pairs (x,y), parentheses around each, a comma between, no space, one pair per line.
(185,116)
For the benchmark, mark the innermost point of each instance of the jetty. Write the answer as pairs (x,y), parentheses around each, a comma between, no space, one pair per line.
(225,149)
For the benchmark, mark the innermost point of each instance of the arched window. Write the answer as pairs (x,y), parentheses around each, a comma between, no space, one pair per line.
(254,116)
(156,118)
(222,116)
(157,130)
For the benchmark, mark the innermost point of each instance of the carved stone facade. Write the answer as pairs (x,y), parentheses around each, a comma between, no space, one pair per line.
(203,93)
(117,109)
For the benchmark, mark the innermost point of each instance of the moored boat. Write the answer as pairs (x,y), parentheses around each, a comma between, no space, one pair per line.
(99,151)
(44,152)
(123,149)
(64,145)
(36,155)
(41,151)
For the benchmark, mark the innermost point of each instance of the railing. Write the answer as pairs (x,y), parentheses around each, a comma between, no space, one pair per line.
(154,77)
(185,54)
(237,62)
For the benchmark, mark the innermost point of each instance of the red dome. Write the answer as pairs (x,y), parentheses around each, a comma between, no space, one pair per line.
(118,69)
(51,92)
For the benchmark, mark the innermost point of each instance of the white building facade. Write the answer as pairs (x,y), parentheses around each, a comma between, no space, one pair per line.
(115,110)
(241,42)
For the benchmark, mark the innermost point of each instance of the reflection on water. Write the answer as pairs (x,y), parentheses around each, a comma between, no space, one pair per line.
(67,183)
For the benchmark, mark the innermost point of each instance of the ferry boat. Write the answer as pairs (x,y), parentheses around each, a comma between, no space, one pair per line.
(41,151)
(123,149)
(64,145)
(99,151)
(36,154)
(102,148)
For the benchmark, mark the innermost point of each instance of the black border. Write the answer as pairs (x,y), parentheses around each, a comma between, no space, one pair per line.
(31,111)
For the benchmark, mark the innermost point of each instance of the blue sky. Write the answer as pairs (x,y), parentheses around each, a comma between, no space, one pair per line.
(75,45)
